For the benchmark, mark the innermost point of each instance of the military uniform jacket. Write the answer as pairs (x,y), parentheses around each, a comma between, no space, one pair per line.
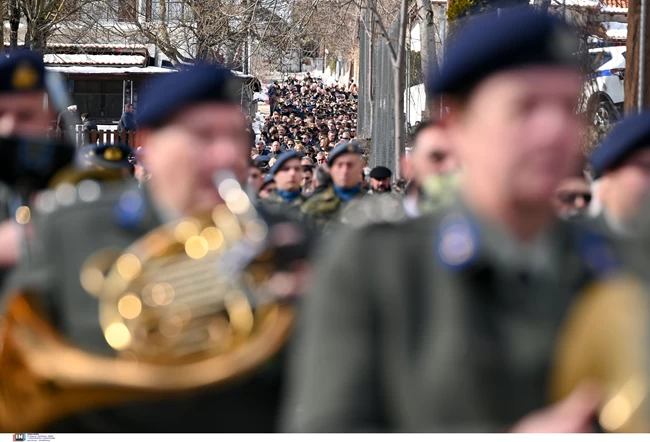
(410,329)
(64,239)
(323,209)
(274,203)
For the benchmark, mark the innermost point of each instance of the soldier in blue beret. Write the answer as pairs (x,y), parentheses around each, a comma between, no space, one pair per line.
(448,322)
(23,114)
(192,131)
(621,168)
(287,173)
(346,169)
(23,109)
(268,186)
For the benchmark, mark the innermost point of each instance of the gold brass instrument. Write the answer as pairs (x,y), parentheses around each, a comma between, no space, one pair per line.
(606,341)
(192,304)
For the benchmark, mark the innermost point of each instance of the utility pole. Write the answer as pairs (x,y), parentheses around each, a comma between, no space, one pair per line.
(637,95)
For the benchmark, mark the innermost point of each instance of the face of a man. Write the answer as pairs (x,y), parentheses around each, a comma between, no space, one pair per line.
(307,177)
(432,154)
(261,147)
(268,189)
(625,190)
(347,170)
(572,198)
(184,155)
(320,159)
(518,135)
(255,178)
(275,147)
(24,115)
(289,176)
(380,185)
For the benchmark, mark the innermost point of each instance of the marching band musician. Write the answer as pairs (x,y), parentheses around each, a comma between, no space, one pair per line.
(453,330)
(23,112)
(191,127)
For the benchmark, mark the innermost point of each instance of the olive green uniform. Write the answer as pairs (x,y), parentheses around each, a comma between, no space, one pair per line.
(276,204)
(441,323)
(324,208)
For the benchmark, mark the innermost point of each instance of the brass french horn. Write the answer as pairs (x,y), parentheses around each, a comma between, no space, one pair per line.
(193,304)
(606,342)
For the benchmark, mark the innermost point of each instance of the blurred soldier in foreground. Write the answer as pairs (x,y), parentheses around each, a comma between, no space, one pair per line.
(454,328)
(346,170)
(23,113)
(192,128)
(621,164)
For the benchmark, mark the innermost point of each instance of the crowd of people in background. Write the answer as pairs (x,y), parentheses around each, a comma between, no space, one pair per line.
(307,117)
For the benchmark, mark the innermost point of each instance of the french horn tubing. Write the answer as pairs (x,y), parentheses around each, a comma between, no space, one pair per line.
(192,304)
(605,341)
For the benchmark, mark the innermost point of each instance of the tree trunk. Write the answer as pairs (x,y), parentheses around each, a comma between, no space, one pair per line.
(427,46)
(633,58)
(14,23)
(36,35)
(2,28)
(398,84)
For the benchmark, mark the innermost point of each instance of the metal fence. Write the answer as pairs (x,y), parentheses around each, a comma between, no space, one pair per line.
(82,137)
(376,72)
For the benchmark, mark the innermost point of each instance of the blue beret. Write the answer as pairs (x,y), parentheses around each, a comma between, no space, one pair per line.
(172,92)
(495,42)
(22,71)
(341,148)
(108,156)
(261,162)
(283,158)
(268,179)
(629,135)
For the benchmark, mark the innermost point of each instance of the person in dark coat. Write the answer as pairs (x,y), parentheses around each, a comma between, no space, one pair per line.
(126,123)
(88,127)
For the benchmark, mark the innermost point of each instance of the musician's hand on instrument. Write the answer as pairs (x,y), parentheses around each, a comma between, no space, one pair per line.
(574,414)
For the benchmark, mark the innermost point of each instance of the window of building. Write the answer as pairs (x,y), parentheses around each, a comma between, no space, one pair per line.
(101,99)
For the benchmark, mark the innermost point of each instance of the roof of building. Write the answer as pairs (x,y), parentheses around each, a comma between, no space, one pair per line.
(95,60)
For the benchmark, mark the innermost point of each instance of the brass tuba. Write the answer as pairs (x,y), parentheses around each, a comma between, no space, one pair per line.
(606,341)
(192,304)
